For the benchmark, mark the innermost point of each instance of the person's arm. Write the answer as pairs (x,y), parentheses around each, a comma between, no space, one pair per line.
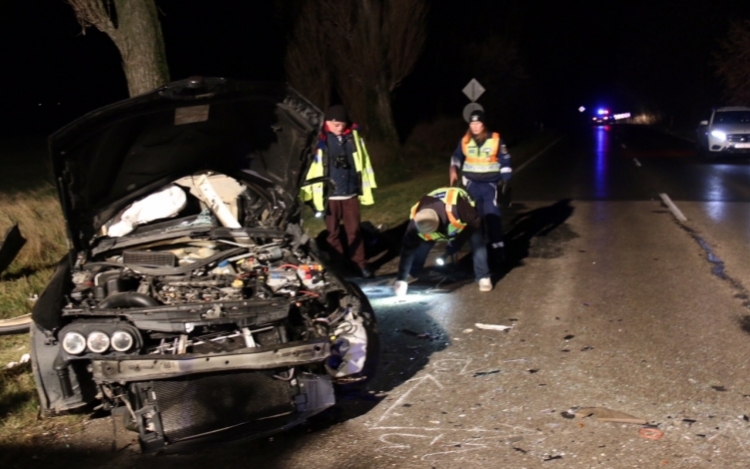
(506,170)
(469,215)
(457,160)
(409,245)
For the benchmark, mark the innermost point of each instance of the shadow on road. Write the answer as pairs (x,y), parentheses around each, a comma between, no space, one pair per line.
(537,233)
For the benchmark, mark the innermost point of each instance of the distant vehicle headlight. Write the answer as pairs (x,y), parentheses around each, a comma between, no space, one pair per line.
(74,343)
(98,342)
(719,135)
(122,341)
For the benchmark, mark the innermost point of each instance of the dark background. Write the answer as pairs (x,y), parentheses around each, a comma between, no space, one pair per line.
(652,57)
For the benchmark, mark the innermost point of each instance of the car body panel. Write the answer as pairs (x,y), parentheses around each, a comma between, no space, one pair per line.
(725,133)
(115,155)
(188,327)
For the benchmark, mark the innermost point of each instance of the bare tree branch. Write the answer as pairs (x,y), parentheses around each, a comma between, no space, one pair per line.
(733,63)
(94,13)
(306,62)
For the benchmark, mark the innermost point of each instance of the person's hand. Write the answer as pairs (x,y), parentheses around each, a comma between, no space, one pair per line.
(453,175)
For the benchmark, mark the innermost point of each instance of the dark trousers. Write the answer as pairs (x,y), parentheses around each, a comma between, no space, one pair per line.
(413,258)
(348,211)
(485,197)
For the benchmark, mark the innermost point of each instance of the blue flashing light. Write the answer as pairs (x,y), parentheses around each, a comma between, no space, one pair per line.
(602,112)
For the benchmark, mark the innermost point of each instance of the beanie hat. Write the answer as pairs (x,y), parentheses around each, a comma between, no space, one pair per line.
(427,221)
(476,116)
(337,113)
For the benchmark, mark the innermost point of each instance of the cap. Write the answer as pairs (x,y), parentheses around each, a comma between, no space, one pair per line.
(427,220)
(476,116)
(337,113)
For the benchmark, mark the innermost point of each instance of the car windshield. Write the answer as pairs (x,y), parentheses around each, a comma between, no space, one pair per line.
(732,117)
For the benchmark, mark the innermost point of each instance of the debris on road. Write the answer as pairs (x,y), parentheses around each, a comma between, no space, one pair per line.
(568,337)
(603,414)
(650,433)
(587,348)
(24,359)
(468,331)
(485,373)
(492,327)
(719,388)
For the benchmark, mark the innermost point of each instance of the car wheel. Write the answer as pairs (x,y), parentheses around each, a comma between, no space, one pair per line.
(358,382)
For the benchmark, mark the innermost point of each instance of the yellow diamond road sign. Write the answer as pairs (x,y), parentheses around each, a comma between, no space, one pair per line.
(473,90)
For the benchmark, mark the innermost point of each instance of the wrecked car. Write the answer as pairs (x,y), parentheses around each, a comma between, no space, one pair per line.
(191,305)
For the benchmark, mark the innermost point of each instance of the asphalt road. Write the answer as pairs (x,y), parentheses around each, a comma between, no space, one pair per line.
(613,303)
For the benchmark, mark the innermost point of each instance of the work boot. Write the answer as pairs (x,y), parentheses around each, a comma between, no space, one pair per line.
(485,284)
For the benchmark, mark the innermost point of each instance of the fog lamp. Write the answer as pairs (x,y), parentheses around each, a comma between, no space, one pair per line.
(98,342)
(74,343)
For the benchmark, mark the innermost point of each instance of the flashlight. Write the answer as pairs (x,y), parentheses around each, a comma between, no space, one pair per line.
(318,214)
(440,261)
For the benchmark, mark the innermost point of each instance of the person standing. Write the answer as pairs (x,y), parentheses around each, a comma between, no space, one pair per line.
(484,161)
(342,158)
(445,214)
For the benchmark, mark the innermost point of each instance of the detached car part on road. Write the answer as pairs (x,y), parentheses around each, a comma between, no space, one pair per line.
(727,132)
(191,304)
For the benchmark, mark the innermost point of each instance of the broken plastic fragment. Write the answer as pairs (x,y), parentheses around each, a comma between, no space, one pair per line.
(492,327)
(650,433)
(603,414)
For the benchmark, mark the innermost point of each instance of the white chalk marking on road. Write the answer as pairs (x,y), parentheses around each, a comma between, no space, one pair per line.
(672,207)
(637,163)
(518,170)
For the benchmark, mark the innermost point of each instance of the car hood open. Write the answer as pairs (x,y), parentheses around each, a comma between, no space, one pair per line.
(259,132)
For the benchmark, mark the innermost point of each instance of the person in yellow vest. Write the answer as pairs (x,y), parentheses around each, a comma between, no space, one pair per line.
(445,214)
(484,161)
(345,179)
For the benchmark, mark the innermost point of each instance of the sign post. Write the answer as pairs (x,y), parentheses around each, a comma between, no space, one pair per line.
(473,90)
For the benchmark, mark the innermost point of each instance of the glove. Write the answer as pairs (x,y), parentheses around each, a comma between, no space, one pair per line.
(400,288)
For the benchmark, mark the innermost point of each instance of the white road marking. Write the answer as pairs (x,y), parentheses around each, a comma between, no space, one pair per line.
(673,208)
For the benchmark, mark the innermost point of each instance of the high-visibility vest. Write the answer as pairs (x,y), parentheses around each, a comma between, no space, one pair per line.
(481,159)
(315,192)
(449,196)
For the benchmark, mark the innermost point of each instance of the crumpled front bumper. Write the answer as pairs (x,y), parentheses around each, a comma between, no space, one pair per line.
(143,367)
(177,401)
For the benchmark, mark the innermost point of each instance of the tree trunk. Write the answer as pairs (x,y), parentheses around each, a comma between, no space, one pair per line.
(141,45)
(133,25)
(381,125)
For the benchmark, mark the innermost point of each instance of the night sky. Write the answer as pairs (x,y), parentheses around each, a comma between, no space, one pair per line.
(630,56)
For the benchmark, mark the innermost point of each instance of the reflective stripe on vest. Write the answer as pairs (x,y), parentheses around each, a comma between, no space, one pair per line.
(481,159)
(449,197)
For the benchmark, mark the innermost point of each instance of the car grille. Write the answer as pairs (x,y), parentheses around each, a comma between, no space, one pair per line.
(736,138)
(195,405)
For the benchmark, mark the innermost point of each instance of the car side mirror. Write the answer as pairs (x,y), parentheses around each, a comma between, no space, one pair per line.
(703,123)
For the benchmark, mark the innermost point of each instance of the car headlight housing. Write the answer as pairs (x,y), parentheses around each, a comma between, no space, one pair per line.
(74,343)
(718,134)
(122,341)
(98,342)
